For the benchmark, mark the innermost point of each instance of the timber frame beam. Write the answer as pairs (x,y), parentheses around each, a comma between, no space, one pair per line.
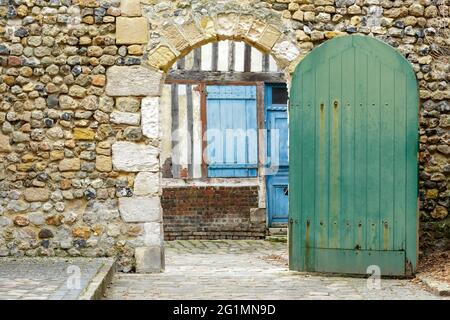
(195,76)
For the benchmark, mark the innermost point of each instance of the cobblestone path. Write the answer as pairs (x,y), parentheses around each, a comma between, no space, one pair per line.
(241,269)
(45,278)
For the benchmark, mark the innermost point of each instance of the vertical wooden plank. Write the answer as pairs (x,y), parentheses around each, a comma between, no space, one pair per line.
(411,170)
(295,237)
(335,151)
(189,60)
(175,133)
(308,167)
(387,157)
(197,128)
(347,218)
(181,63)
(231,55)
(268,103)
(228,111)
(238,125)
(266,63)
(251,131)
(247,58)
(215,150)
(261,143)
(196,65)
(399,223)
(283,146)
(323,107)
(297,152)
(373,155)
(361,107)
(214,56)
(203,116)
(190,129)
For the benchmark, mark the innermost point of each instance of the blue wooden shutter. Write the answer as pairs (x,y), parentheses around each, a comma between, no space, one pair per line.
(231,131)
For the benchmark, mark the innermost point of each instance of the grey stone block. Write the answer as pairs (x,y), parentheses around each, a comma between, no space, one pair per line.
(258,215)
(150,259)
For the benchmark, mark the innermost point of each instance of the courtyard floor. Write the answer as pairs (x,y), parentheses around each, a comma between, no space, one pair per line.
(241,269)
(51,278)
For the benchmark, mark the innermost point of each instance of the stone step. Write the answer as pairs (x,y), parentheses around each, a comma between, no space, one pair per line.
(277,238)
(278,231)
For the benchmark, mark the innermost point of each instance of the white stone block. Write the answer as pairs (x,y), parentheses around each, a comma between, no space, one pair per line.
(119,117)
(146,183)
(149,259)
(150,117)
(140,209)
(133,81)
(134,157)
(285,50)
(153,234)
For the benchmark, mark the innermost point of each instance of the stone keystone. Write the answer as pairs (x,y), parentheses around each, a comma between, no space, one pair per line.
(269,37)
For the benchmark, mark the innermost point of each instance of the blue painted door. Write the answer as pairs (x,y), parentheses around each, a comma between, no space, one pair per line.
(231,134)
(277,163)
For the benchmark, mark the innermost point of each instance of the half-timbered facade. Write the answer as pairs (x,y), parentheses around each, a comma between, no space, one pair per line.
(217,180)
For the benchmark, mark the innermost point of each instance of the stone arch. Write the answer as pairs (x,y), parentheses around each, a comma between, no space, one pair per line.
(177,34)
(251,22)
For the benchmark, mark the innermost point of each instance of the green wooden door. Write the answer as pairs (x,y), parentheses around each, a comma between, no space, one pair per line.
(353,180)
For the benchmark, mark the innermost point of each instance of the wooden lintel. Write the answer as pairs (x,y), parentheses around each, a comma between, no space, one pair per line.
(190,76)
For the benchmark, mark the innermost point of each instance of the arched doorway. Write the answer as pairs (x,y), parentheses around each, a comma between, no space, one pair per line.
(142,161)
(224,149)
(353,159)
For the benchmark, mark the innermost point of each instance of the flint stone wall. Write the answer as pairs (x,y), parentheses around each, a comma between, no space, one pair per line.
(79,123)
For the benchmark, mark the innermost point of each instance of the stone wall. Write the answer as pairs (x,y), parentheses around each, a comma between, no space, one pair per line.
(79,107)
(212,213)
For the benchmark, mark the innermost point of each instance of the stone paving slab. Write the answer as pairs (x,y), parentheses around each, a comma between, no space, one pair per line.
(241,269)
(437,286)
(48,278)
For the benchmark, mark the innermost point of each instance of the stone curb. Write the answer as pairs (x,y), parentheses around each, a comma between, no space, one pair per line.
(97,286)
(437,287)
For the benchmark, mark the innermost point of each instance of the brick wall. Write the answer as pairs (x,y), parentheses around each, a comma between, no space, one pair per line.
(212,213)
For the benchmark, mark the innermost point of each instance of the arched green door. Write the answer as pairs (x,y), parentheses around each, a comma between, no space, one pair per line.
(353,136)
